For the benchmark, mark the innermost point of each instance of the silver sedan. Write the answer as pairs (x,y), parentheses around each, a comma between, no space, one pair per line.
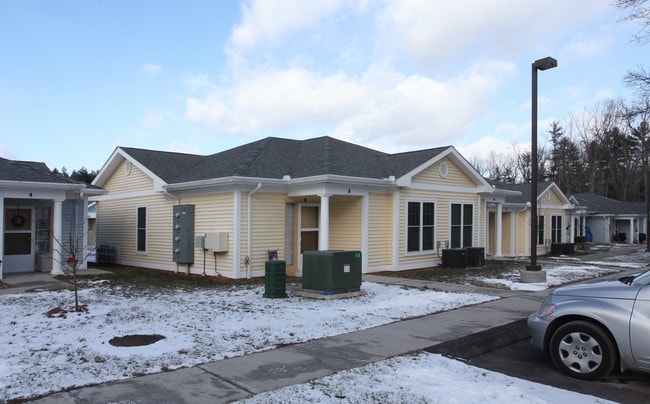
(590,329)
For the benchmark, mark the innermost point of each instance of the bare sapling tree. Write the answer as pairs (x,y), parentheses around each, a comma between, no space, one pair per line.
(72,250)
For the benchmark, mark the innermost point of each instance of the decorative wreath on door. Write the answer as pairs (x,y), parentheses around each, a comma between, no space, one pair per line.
(18,220)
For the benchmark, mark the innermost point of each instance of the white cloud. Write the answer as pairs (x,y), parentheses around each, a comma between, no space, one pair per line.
(593,45)
(270,22)
(7,152)
(397,98)
(433,32)
(154,119)
(374,108)
(151,69)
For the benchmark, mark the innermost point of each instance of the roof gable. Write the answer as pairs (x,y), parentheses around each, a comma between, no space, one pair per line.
(598,204)
(525,189)
(29,171)
(272,158)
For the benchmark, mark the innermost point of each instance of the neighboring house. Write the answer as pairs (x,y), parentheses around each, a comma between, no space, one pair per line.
(612,221)
(559,221)
(288,196)
(41,213)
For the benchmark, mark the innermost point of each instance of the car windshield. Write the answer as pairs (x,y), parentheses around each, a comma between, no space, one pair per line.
(642,280)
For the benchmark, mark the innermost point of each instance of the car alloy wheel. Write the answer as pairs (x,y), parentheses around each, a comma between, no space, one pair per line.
(583,350)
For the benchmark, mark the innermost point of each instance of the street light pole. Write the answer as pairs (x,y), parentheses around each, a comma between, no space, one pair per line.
(541,64)
(647,202)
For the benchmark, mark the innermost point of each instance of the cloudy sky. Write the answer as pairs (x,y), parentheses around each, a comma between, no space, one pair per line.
(78,78)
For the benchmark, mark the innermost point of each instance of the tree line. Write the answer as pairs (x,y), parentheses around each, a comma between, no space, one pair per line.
(81,174)
(603,150)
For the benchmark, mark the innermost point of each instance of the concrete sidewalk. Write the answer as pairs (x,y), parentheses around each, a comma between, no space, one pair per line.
(29,282)
(469,330)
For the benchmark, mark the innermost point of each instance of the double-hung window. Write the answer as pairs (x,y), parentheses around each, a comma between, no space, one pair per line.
(420,226)
(141,230)
(556,229)
(462,223)
(540,230)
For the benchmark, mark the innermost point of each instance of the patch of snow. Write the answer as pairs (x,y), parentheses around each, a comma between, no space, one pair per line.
(421,378)
(41,354)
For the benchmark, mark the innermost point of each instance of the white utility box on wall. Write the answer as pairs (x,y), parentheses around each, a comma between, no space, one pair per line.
(216,241)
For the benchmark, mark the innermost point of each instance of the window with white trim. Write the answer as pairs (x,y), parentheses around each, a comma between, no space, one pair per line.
(556,229)
(462,225)
(141,230)
(540,230)
(420,226)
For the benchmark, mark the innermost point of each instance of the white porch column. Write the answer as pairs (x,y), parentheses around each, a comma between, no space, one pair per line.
(324,225)
(2,232)
(631,235)
(498,230)
(488,236)
(57,242)
(572,228)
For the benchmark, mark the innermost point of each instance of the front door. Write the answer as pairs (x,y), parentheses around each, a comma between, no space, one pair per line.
(308,222)
(18,236)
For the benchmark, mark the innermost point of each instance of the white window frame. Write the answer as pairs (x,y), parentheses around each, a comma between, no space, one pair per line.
(421,226)
(138,228)
(462,221)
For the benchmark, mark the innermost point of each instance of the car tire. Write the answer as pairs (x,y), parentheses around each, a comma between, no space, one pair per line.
(583,350)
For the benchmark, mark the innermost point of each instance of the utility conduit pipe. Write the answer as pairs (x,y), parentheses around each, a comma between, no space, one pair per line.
(249,244)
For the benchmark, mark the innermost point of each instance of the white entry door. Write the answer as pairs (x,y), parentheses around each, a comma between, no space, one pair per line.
(18,240)
(308,225)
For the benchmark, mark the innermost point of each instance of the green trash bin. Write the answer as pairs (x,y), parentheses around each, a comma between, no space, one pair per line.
(275,279)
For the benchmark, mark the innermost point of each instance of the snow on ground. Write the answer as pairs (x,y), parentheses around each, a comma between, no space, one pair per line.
(555,275)
(41,354)
(421,378)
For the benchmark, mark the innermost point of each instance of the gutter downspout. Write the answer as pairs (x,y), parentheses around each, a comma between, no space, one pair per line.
(249,244)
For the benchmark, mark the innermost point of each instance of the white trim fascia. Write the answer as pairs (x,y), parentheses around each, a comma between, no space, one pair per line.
(340,179)
(41,185)
(464,166)
(559,192)
(288,182)
(113,163)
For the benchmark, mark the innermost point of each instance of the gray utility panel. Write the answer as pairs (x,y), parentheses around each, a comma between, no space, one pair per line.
(331,271)
(183,243)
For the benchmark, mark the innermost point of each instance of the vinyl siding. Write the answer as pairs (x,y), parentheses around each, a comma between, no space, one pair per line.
(380,230)
(455,177)
(213,213)
(345,223)
(116,225)
(507,247)
(268,214)
(121,182)
(443,201)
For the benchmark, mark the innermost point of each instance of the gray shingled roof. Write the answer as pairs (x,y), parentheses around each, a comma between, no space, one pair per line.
(29,171)
(274,157)
(597,204)
(523,188)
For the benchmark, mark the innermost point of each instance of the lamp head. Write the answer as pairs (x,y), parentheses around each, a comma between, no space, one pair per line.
(545,63)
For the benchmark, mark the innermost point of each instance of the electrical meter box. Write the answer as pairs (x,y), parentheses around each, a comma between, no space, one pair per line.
(183,233)
(331,271)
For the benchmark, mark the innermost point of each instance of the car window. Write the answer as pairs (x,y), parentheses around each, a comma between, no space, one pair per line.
(643,279)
